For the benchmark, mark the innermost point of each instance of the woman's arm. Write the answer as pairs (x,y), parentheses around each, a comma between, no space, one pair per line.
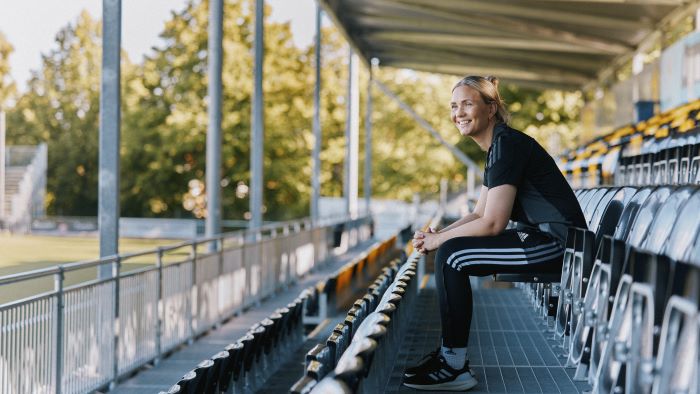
(478,211)
(470,217)
(495,218)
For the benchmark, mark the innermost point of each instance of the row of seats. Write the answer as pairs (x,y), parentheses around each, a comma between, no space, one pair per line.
(664,149)
(339,289)
(663,162)
(625,308)
(355,357)
(245,364)
(369,312)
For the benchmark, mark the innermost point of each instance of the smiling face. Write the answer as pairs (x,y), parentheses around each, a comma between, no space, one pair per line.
(470,113)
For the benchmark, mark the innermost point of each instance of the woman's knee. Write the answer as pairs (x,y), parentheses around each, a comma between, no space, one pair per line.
(450,247)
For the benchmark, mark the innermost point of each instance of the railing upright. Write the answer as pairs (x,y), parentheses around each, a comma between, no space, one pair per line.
(116,269)
(193,310)
(160,306)
(58,286)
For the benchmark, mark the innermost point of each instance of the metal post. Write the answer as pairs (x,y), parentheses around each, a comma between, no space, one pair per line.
(159,307)
(352,131)
(316,161)
(471,183)
(368,145)
(2,167)
(443,194)
(195,289)
(116,267)
(257,135)
(58,286)
(108,199)
(213,220)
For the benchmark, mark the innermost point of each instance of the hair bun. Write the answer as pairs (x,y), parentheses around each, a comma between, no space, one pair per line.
(493,80)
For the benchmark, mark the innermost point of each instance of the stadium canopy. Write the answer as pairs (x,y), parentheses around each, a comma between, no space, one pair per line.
(547,43)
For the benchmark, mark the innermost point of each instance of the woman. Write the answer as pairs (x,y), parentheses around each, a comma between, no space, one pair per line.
(521,183)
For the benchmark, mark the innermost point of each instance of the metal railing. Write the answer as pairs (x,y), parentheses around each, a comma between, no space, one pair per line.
(79,338)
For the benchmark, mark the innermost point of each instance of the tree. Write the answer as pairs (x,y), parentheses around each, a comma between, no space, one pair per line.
(7,86)
(61,107)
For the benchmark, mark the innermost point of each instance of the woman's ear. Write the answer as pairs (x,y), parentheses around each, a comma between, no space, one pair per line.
(493,109)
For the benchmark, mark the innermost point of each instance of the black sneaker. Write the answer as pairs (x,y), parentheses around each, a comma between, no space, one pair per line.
(424,364)
(440,376)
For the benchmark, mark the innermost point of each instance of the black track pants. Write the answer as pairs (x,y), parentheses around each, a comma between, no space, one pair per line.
(513,251)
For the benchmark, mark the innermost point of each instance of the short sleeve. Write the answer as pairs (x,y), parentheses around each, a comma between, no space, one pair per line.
(507,161)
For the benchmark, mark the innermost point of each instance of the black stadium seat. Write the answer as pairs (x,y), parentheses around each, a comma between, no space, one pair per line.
(189,383)
(232,366)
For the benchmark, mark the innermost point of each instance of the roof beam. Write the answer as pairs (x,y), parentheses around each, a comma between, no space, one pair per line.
(584,63)
(671,3)
(528,10)
(467,41)
(508,24)
(504,73)
(432,25)
(449,58)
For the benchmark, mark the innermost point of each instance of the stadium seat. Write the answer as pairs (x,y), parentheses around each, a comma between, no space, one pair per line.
(679,343)
(584,312)
(231,367)
(190,383)
(208,376)
(319,361)
(331,386)
(174,389)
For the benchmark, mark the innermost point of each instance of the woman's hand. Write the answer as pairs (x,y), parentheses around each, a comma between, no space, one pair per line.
(426,241)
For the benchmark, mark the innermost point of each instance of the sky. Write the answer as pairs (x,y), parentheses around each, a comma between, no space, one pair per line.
(31,25)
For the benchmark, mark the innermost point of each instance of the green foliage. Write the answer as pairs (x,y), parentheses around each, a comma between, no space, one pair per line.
(61,107)
(164,120)
(7,87)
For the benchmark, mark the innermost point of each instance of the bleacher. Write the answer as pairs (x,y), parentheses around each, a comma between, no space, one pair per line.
(621,317)
(247,363)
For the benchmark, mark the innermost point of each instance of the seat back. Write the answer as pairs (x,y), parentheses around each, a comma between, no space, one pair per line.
(624,224)
(600,208)
(676,362)
(663,220)
(685,229)
(605,223)
(646,215)
(592,203)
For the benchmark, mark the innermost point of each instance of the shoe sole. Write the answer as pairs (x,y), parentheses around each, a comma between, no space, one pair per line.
(447,386)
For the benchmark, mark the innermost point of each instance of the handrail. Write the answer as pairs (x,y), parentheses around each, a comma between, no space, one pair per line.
(142,314)
(83,264)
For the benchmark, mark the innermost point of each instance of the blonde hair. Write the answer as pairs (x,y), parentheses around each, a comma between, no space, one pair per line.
(488,89)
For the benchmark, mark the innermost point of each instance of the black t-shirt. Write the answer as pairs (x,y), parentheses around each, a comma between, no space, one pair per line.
(544,198)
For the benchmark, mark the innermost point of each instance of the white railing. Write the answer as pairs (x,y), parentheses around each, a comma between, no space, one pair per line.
(87,336)
(30,195)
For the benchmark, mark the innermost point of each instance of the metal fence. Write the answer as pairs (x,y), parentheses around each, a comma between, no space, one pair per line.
(80,338)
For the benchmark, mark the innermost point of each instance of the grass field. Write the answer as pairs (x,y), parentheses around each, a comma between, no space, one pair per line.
(19,253)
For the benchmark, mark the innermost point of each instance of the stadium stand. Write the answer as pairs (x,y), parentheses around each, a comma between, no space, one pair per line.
(244,366)
(626,315)
(662,150)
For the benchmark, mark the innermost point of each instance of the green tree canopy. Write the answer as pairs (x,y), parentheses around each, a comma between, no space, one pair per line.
(7,86)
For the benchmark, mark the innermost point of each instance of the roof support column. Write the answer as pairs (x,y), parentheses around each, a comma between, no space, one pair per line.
(257,134)
(2,167)
(108,183)
(316,160)
(213,177)
(352,133)
(368,145)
